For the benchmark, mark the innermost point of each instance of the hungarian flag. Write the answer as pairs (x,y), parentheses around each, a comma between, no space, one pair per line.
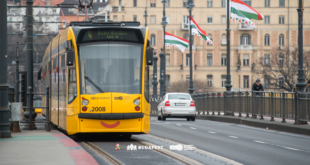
(174,41)
(243,13)
(199,32)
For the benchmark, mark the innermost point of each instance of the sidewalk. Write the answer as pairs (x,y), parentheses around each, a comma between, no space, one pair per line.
(38,147)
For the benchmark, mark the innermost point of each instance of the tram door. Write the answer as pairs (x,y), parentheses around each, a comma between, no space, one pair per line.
(55,89)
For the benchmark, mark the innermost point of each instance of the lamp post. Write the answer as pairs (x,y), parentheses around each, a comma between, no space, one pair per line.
(228,76)
(162,59)
(145,16)
(190,6)
(17,76)
(162,72)
(155,58)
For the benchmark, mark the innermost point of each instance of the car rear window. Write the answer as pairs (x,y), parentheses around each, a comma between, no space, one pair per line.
(178,97)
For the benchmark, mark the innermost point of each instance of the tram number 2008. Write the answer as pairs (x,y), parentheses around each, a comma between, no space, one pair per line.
(96,109)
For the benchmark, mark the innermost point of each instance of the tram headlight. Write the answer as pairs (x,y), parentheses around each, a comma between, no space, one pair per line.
(136,102)
(85,102)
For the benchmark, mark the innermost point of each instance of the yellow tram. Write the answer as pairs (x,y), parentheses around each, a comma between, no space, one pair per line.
(99,79)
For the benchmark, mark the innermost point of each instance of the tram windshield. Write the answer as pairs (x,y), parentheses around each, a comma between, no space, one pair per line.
(111,67)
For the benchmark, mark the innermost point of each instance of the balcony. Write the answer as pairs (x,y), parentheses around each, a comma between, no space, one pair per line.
(118,8)
(245,47)
(184,26)
(242,26)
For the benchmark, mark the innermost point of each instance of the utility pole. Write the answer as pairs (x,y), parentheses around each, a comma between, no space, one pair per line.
(4,87)
(190,6)
(145,15)
(228,76)
(17,76)
(163,58)
(155,58)
(29,63)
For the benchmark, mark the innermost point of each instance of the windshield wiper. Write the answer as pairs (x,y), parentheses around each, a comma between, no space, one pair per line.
(99,89)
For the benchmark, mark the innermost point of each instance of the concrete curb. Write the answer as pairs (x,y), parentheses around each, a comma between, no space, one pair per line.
(285,127)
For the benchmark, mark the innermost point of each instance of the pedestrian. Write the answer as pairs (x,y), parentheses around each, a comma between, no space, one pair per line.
(257,86)
(308,86)
(199,91)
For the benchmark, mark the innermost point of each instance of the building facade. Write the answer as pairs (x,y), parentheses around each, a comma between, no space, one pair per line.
(278,30)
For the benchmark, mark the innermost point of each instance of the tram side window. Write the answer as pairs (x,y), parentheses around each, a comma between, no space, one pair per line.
(72,90)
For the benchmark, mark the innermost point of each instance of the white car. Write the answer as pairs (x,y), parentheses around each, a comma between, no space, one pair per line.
(177,105)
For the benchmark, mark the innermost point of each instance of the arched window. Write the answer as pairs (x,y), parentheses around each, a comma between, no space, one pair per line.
(209,81)
(267,39)
(224,39)
(281,39)
(245,39)
(209,36)
(153,39)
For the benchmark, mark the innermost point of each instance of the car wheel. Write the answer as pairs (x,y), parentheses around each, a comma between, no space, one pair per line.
(162,116)
(188,119)
(193,118)
(159,118)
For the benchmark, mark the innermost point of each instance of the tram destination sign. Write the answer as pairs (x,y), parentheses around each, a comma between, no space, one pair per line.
(110,35)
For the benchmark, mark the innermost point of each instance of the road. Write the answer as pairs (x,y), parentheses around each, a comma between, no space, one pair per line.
(244,144)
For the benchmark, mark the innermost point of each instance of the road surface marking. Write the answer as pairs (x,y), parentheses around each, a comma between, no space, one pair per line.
(291,148)
(259,142)
(179,124)
(211,132)
(192,128)
(233,137)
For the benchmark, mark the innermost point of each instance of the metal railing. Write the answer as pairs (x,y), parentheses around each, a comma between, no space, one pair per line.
(254,104)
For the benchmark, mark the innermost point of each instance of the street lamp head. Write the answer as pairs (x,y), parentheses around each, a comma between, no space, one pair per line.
(164,2)
(164,22)
(190,5)
(162,50)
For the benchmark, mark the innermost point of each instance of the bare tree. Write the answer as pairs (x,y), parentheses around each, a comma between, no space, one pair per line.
(280,69)
(182,86)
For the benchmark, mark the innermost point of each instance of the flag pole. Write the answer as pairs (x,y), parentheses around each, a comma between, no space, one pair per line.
(191,89)
(228,76)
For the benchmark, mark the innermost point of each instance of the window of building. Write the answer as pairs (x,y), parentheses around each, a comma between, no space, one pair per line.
(245,39)
(223,19)
(168,19)
(153,19)
(267,19)
(223,81)
(209,59)
(281,3)
(167,81)
(246,60)
(209,3)
(153,39)
(267,59)
(209,81)
(153,3)
(120,5)
(281,19)
(210,19)
(187,59)
(134,3)
(281,59)
(281,82)
(184,3)
(71,10)
(64,23)
(266,82)
(223,3)
(245,81)
(248,2)
(186,36)
(267,3)
(281,39)
(223,60)
(167,3)
(134,18)
(115,18)
(167,59)
(187,77)
(54,10)
(224,40)
(267,40)
(209,36)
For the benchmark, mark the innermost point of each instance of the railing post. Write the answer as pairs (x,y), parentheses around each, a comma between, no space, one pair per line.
(283,107)
(247,104)
(218,103)
(213,105)
(252,107)
(296,103)
(207,101)
(47,124)
(231,104)
(261,106)
(271,107)
(239,103)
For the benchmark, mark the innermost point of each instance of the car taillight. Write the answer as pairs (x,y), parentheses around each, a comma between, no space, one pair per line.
(192,103)
(167,103)
(84,109)
(137,108)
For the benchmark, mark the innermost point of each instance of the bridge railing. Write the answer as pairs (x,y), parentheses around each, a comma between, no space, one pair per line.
(254,104)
